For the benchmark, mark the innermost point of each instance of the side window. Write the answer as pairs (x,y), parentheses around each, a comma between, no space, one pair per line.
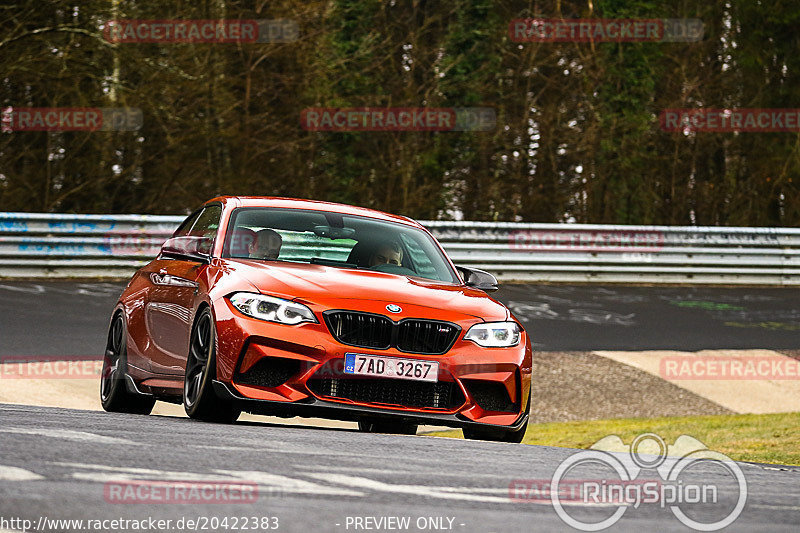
(186,225)
(202,223)
(207,222)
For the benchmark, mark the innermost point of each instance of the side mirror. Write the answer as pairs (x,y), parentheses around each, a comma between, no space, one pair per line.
(480,279)
(188,247)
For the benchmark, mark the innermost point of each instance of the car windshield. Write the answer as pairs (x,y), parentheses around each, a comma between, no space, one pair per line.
(334,239)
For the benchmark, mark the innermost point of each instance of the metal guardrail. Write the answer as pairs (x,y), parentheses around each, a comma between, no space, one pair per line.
(36,245)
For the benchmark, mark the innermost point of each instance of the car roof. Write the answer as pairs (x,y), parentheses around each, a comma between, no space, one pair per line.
(312,205)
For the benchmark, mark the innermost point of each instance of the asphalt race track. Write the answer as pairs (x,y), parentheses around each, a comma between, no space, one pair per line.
(63,464)
(67,318)
(314,479)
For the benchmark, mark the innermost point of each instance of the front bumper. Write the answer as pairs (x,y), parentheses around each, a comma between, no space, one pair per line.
(310,351)
(317,408)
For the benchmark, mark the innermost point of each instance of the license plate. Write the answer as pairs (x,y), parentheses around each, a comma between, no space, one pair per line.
(390,367)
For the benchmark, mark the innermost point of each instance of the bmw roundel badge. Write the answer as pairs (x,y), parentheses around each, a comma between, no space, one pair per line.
(392,308)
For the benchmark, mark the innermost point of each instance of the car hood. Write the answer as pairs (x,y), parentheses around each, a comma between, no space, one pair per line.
(328,287)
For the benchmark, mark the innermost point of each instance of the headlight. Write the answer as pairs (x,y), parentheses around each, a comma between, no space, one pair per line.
(494,334)
(272,309)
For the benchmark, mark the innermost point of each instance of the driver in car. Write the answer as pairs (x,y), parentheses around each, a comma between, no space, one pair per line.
(267,245)
(388,253)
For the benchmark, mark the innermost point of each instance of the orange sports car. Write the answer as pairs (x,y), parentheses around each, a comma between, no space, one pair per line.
(302,308)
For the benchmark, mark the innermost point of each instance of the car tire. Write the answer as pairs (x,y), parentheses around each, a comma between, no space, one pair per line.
(199,400)
(498,434)
(114,394)
(391,427)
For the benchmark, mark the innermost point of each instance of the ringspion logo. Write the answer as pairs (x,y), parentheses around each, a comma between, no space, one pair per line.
(70,119)
(690,477)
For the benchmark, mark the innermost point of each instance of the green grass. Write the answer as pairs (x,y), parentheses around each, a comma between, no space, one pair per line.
(773,438)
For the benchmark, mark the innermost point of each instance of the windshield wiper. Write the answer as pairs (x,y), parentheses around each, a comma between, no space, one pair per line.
(332,262)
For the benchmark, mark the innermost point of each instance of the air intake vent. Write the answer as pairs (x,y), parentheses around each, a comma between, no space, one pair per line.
(269,372)
(490,395)
(418,394)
